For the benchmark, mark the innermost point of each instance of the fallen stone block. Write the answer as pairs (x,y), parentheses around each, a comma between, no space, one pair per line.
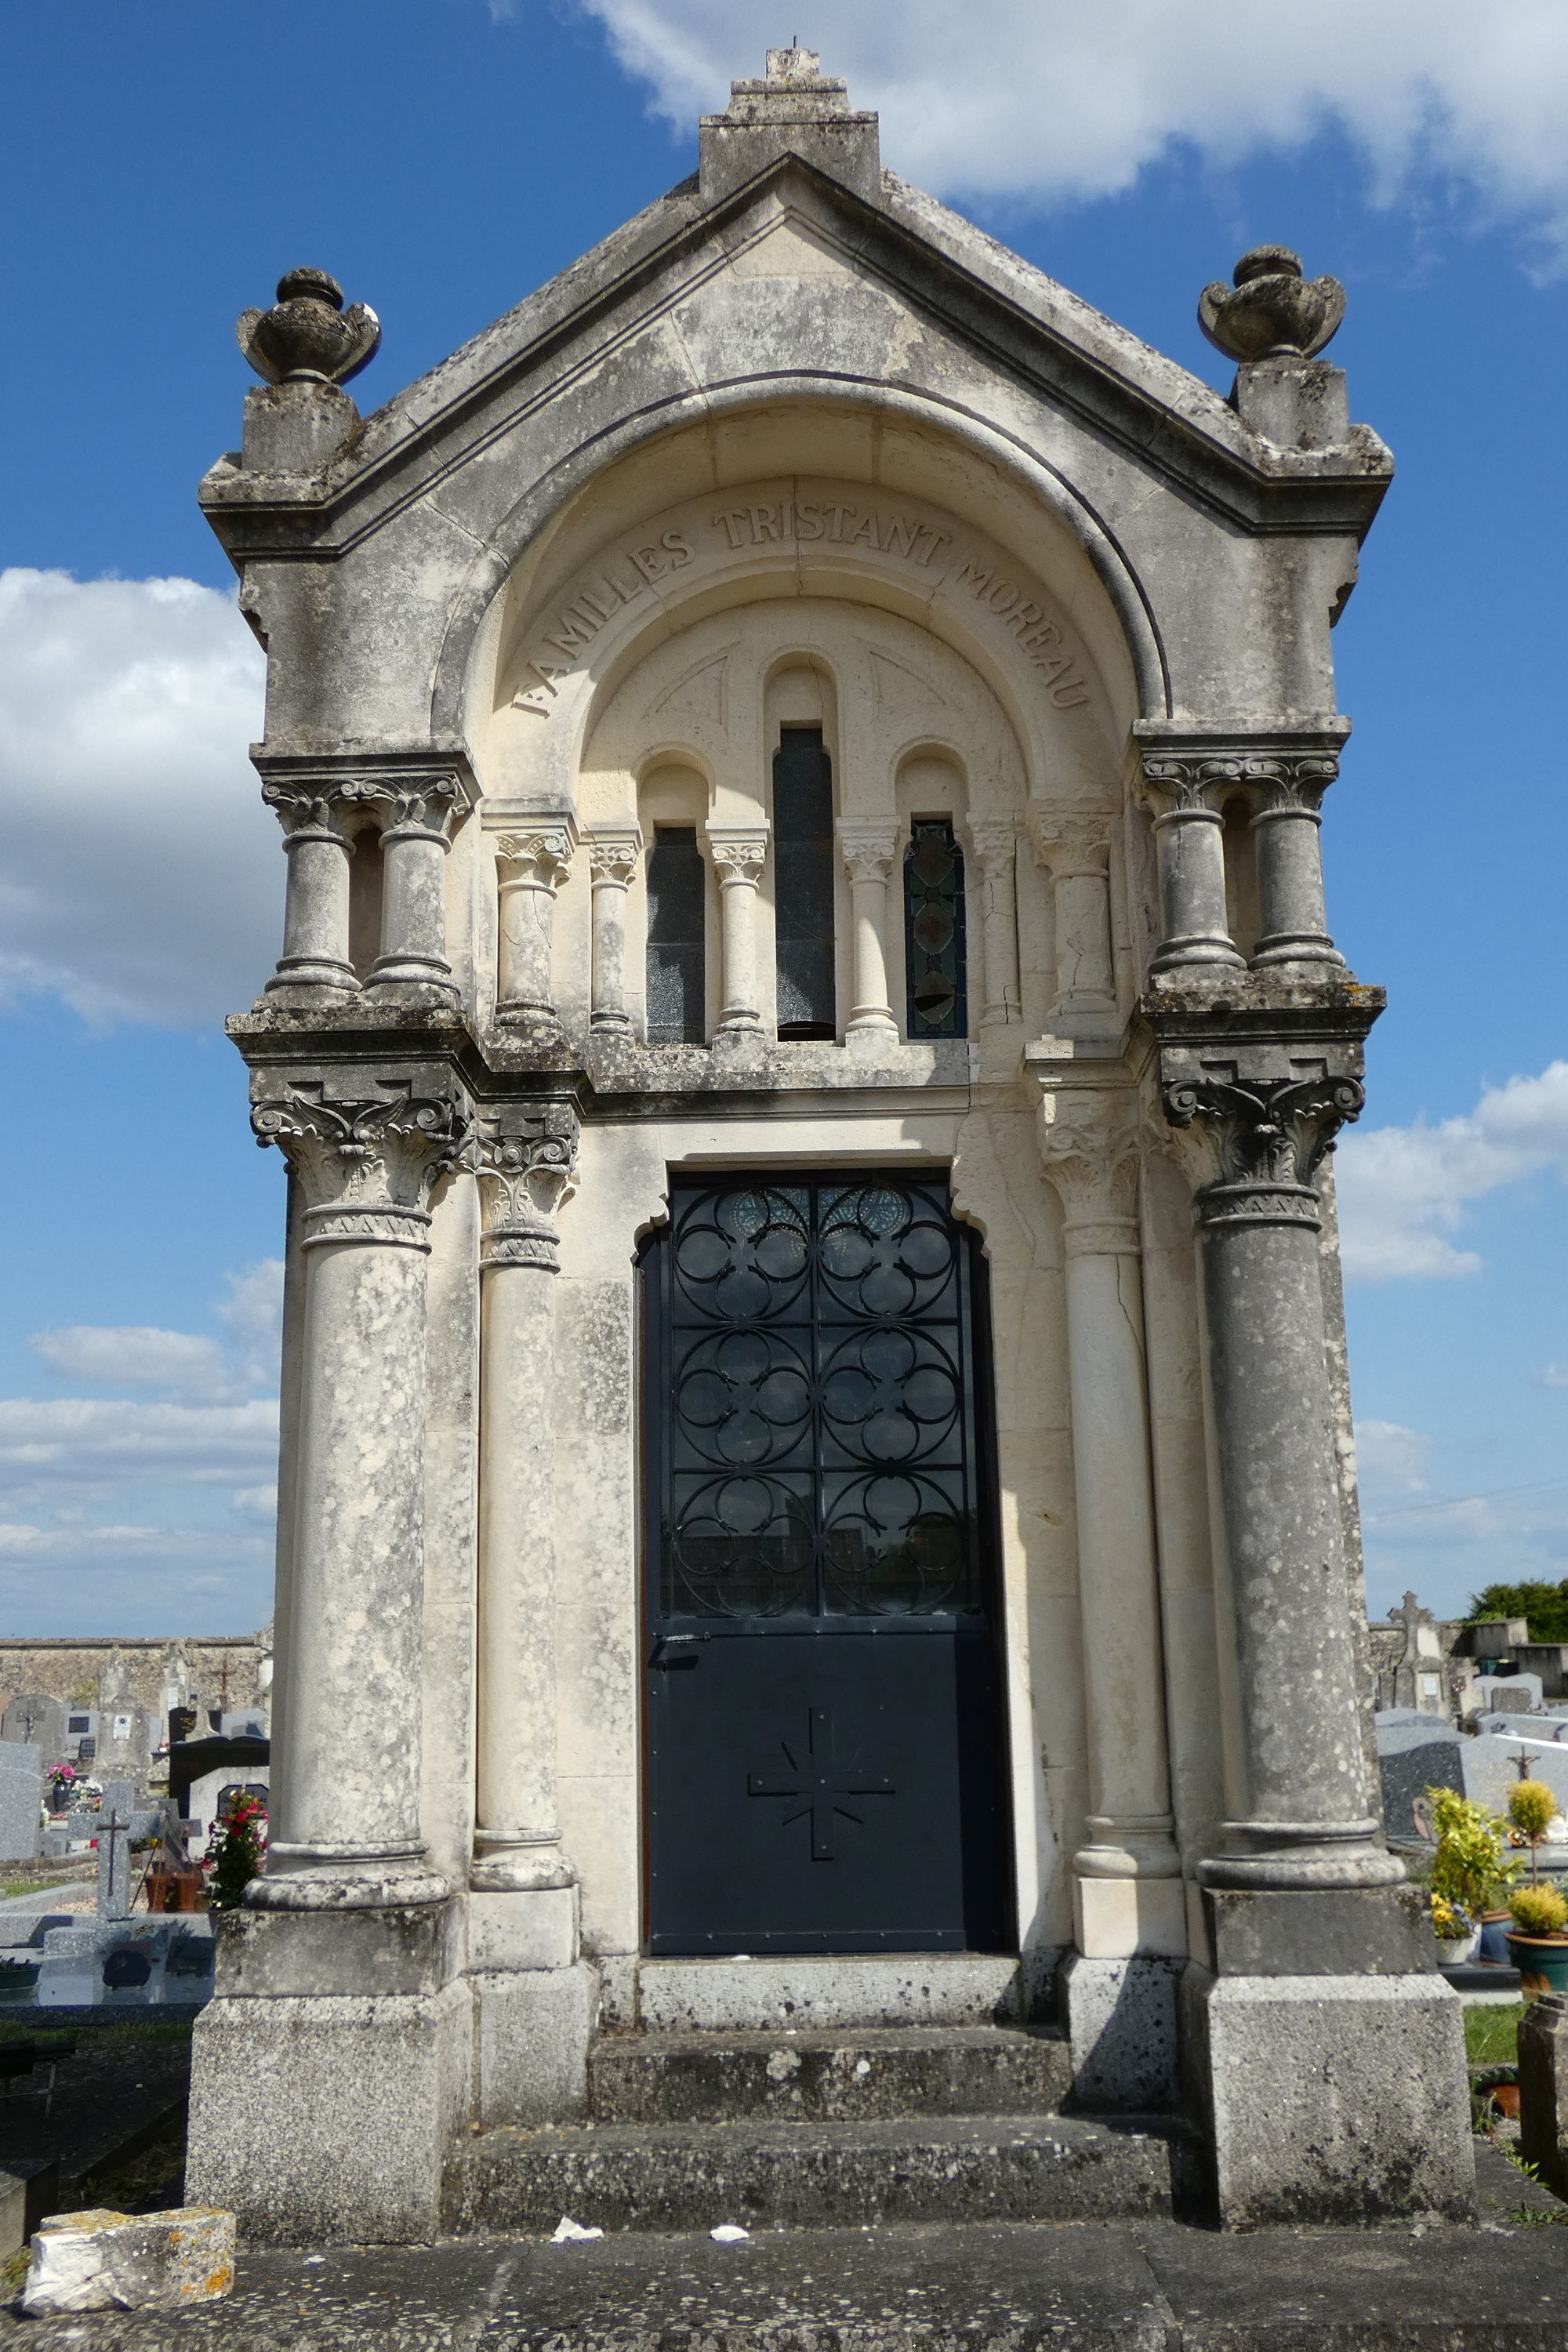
(100,2260)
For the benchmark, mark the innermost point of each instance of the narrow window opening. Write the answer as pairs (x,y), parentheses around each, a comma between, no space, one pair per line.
(803,883)
(677,905)
(933,930)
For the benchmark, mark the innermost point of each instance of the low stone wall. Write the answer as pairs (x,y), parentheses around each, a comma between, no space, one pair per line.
(68,1670)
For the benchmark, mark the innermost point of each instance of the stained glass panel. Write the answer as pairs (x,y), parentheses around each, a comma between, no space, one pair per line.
(933,931)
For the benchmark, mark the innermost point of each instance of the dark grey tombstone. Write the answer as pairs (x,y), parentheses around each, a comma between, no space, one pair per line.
(37,1721)
(1415,1752)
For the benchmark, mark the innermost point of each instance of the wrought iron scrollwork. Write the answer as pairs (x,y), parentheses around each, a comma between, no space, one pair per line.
(818,1375)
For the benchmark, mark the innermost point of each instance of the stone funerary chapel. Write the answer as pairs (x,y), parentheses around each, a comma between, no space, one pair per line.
(815,1495)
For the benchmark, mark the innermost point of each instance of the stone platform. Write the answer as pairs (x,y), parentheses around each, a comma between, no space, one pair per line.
(1148,2286)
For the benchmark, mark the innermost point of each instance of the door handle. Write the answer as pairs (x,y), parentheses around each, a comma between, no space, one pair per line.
(658,1658)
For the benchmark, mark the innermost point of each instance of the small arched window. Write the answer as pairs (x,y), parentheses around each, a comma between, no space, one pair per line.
(803,883)
(677,906)
(933,930)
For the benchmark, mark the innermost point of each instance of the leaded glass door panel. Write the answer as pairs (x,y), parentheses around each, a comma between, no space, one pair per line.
(822,1732)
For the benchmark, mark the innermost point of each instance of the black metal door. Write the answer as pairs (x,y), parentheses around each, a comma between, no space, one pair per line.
(823,1714)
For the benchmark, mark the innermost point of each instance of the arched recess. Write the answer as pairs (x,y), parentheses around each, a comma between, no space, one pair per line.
(902,441)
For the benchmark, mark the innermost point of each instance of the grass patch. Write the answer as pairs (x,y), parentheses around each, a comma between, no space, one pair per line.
(10,1887)
(1491,2033)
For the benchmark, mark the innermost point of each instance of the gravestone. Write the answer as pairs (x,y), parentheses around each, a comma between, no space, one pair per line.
(124,1819)
(124,1750)
(38,1721)
(1506,1694)
(1415,1752)
(21,1800)
(1490,1768)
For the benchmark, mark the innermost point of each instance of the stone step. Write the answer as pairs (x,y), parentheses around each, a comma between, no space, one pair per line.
(883,2073)
(771,2175)
(762,1995)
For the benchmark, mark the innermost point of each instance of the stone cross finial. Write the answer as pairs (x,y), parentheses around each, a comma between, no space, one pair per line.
(308,337)
(1272,311)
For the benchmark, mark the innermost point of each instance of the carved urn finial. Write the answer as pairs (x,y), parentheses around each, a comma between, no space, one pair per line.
(308,337)
(1272,311)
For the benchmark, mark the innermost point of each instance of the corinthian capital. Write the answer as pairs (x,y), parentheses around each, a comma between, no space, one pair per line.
(1268,1134)
(994,845)
(525,1159)
(368,1150)
(542,855)
(867,845)
(612,857)
(739,854)
(1090,1147)
(409,799)
(1067,842)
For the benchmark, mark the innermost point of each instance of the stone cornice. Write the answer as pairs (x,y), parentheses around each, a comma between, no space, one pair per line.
(1161,418)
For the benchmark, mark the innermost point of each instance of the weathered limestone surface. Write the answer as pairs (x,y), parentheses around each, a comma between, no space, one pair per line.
(798,447)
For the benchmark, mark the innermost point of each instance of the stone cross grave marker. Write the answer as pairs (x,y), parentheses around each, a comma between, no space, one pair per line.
(121,1821)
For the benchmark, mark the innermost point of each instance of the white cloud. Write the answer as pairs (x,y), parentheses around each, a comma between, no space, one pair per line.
(1391,1457)
(257,1502)
(130,1355)
(1402,1192)
(1037,98)
(142,878)
(252,1315)
(65,1440)
(1554,1376)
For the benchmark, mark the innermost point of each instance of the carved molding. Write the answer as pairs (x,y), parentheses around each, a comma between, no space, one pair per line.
(1088,1139)
(1067,844)
(525,1161)
(368,1150)
(868,846)
(994,844)
(541,856)
(612,857)
(425,799)
(1269,1134)
(738,856)
(1195,781)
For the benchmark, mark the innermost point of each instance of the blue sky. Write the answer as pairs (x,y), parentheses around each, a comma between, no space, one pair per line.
(442,157)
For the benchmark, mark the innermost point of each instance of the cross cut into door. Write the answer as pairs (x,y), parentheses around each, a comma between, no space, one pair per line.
(817,1783)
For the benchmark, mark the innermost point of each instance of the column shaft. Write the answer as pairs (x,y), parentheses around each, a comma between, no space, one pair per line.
(1293,922)
(1189,844)
(524,1171)
(1076,851)
(316,908)
(531,867)
(612,861)
(1306,1821)
(738,859)
(868,847)
(993,849)
(1129,1894)
(412,907)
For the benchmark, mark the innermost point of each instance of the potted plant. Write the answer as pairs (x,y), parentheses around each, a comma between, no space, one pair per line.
(1469,1870)
(1538,1943)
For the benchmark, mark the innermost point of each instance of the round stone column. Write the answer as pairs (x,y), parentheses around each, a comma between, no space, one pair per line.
(525,1167)
(367,1150)
(1287,829)
(1189,841)
(1306,1821)
(993,846)
(1076,851)
(738,859)
(868,846)
(316,910)
(1129,1894)
(531,868)
(414,842)
(612,862)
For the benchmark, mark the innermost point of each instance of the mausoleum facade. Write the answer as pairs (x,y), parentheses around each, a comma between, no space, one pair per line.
(816,1481)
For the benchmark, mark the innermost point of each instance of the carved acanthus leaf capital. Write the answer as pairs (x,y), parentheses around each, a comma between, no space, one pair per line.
(1068,842)
(612,857)
(1197,781)
(1090,1147)
(542,855)
(868,846)
(525,1159)
(994,845)
(368,1150)
(407,800)
(1268,1133)
(738,856)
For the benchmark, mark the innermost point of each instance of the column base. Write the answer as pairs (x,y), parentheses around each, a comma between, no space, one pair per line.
(535,1025)
(1296,1856)
(1121,2024)
(1116,1918)
(330,2075)
(309,975)
(1331,2099)
(506,1869)
(1298,947)
(372,1885)
(1323,2054)
(1194,951)
(534,2029)
(412,987)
